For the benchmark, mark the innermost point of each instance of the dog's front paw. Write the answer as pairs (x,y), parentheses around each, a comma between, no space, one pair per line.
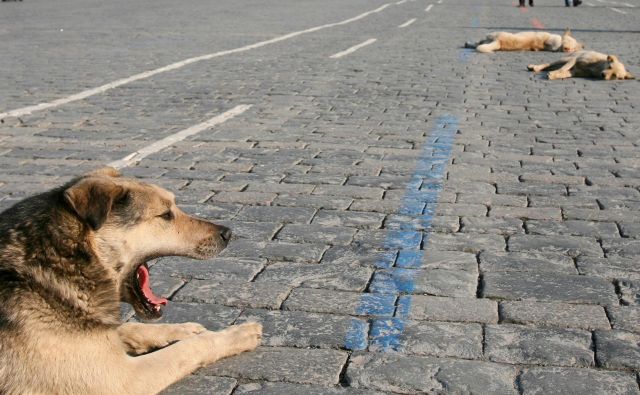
(246,337)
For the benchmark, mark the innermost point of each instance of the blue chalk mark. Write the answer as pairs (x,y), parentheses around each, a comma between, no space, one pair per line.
(385,334)
(404,307)
(376,304)
(407,235)
(357,335)
(403,239)
(394,281)
(409,259)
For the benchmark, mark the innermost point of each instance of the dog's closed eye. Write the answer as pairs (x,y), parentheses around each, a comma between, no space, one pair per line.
(167,215)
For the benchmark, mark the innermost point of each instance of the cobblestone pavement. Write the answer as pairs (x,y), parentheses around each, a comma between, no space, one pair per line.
(410,218)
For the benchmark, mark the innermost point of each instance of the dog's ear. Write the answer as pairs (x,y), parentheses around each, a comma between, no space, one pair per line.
(611,58)
(91,199)
(104,171)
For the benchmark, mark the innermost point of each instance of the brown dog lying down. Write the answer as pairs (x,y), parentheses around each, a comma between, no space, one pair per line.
(526,41)
(68,257)
(586,64)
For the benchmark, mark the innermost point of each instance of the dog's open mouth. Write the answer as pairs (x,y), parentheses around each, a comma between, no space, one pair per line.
(151,303)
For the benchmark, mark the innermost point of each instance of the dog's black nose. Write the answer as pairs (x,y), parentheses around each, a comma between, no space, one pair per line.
(225,233)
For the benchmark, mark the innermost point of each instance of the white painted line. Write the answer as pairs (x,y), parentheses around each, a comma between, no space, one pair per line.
(103,88)
(439,1)
(353,49)
(142,153)
(589,4)
(401,2)
(628,5)
(407,23)
(617,10)
(429,7)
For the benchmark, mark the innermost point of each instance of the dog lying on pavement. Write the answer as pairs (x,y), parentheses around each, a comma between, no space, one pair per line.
(587,64)
(526,41)
(67,259)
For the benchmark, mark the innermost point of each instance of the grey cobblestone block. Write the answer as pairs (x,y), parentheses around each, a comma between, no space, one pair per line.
(275,251)
(354,219)
(618,349)
(610,267)
(552,179)
(548,287)
(338,302)
(442,339)
(625,318)
(521,188)
(433,308)
(281,188)
(433,258)
(470,187)
(218,269)
(570,245)
(630,230)
(276,214)
(598,230)
(302,329)
(438,223)
(568,202)
(628,248)
(255,295)
(521,344)
(316,178)
(317,202)
(253,198)
(329,276)
(601,215)
(349,191)
(202,385)
(297,389)
(334,235)
(214,317)
(563,315)
(461,210)
(468,242)
(294,365)
(413,375)
(526,212)
(501,226)
(387,206)
(577,381)
(493,199)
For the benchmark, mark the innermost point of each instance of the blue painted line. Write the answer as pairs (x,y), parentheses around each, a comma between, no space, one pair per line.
(356,338)
(389,300)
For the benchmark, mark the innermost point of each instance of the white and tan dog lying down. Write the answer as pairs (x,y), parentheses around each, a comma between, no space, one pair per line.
(586,64)
(526,41)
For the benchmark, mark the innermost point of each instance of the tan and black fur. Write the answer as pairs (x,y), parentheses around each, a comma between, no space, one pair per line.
(526,41)
(68,257)
(586,64)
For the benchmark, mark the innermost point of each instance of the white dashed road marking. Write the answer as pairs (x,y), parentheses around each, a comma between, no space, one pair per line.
(353,49)
(617,10)
(103,88)
(407,23)
(429,7)
(179,136)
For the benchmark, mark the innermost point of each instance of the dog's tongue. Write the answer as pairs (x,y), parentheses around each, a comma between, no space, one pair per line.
(143,280)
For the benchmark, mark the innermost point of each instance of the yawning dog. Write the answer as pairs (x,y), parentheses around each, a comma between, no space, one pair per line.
(68,257)
(526,41)
(587,64)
